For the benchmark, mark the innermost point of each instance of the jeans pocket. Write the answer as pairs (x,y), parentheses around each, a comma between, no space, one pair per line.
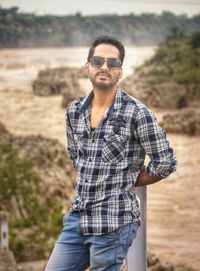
(129,235)
(133,232)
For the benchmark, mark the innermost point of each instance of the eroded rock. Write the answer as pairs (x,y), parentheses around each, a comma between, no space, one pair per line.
(59,81)
(7,261)
(51,162)
(154,93)
(185,121)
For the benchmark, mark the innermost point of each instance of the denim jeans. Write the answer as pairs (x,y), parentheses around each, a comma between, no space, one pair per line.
(74,251)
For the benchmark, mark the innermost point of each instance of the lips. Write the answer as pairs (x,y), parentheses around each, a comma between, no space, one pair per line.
(101,74)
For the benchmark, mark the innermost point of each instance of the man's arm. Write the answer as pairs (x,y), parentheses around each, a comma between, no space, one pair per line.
(72,147)
(153,140)
(145,179)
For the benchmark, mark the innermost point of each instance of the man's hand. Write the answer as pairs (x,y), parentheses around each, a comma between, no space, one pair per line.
(144,179)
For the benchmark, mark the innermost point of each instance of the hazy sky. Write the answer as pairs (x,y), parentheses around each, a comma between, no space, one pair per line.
(86,7)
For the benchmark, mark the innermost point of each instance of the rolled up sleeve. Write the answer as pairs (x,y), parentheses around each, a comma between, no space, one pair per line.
(71,145)
(153,140)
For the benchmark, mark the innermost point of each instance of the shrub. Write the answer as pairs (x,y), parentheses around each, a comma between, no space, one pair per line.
(33,218)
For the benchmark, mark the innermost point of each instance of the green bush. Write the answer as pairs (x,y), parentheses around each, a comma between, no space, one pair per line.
(33,233)
(195,39)
(178,60)
(16,175)
(189,77)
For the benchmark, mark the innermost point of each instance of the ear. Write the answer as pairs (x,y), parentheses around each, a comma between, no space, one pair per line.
(120,74)
(86,68)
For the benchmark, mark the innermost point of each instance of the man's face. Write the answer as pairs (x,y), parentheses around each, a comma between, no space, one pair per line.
(104,77)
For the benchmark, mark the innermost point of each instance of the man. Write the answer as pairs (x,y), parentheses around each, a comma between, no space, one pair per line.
(109,134)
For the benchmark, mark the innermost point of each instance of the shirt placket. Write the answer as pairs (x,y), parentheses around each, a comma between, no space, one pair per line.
(92,137)
(90,141)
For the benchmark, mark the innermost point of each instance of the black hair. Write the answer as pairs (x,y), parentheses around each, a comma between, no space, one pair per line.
(107,40)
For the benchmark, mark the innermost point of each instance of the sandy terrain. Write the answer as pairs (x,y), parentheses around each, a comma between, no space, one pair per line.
(173,204)
(173,207)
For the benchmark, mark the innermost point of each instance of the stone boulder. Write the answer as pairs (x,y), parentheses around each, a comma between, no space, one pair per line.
(185,121)
(59,81)
(143,85)
(51,162)
(43,194)
(7,261)
(154,264)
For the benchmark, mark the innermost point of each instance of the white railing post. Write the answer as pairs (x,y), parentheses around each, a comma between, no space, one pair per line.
(137,256)
(4,231)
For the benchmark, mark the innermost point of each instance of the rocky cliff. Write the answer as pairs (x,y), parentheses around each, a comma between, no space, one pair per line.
(170,80)
(36,185)
(59,81)
(145,87)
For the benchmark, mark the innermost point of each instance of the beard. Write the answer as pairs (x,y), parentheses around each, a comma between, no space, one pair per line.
(101,84)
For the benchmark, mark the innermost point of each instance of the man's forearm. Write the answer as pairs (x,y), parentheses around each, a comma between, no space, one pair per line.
(145,179)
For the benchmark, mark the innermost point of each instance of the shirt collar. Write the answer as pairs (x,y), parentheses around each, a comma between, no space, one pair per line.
(117,103)
(118,100)
(86,102)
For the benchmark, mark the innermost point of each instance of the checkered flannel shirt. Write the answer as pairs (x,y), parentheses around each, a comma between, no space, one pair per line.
(109,159)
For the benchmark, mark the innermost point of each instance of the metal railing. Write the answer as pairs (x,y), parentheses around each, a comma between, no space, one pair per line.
(137,256)
(4,231)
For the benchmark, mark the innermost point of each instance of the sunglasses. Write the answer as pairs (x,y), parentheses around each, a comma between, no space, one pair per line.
(98,61)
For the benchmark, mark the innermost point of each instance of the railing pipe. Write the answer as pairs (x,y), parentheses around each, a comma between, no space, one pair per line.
(137,256)
(4,231)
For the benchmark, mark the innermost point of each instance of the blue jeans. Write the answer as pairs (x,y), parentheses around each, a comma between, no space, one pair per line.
(74,251)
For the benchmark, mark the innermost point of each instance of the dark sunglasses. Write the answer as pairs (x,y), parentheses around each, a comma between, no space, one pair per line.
(98,61)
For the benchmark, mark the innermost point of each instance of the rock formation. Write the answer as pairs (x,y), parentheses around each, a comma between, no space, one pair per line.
(154,264)
(59,81)
(7,261)
(183,99)
(185,121)
(41,181)
(50,159)
(143,86)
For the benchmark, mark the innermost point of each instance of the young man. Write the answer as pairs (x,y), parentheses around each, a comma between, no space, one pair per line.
(109,134)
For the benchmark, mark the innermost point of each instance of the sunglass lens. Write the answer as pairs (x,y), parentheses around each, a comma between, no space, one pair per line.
(97,61)
(113,63)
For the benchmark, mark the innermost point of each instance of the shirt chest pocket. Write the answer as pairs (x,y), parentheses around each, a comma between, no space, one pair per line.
(114,148)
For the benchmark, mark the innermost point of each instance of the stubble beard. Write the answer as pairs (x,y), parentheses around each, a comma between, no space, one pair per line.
(103,85)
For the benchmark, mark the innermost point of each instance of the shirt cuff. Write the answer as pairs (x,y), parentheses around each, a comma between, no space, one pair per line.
(161,172)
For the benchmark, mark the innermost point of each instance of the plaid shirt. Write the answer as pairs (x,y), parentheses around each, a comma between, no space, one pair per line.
(109,159)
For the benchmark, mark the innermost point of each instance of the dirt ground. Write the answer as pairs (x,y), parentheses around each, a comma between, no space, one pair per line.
(173,230)
(173,207)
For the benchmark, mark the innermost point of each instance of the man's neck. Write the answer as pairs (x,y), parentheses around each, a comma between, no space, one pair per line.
(103,99)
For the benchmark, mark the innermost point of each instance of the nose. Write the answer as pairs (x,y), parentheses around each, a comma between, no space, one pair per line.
(104,66)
